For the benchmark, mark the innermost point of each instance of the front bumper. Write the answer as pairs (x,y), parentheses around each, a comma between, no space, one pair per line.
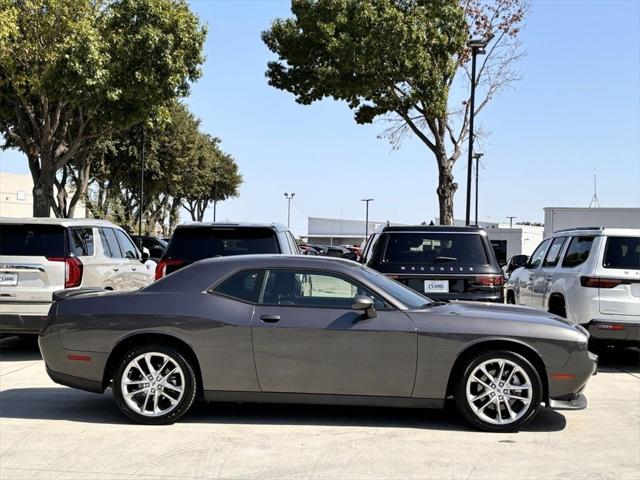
(567,383)
(578,402)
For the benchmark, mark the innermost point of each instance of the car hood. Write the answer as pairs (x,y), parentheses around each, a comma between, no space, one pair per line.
(501,312)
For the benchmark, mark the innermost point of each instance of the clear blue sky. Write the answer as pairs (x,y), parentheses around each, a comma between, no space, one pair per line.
(576,108)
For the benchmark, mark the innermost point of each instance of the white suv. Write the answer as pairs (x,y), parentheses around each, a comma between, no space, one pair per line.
(590,276)
(39,256)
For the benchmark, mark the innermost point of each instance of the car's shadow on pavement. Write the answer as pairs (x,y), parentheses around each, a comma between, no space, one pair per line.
(61,403)
(19,349)
(618,360)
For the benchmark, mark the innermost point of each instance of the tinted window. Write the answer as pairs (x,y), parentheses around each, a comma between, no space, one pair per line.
(32,240)
(435,248)
(243,286)
(81,241)
(551,260)
(198,243)
(622,252)
(538,254)
(110,243)
(309,289)
(126,245)
(578,251)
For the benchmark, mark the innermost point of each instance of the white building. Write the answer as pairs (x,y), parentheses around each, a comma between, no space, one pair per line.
(16,196)
(521,239)
(338,231)
(559,218)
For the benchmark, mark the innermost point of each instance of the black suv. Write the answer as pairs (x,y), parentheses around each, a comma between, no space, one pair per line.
(196,241)
(444,263)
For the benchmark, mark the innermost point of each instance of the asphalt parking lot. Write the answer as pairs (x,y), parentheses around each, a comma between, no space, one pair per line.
(52,432)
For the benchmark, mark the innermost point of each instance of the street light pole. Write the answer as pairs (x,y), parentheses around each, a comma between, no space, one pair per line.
(141,206)
(366,217)
(289,197)
(511,221)
(477,47)
(477,156)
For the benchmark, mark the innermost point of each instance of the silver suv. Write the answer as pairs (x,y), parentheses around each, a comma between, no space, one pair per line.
(590,276)
(39,256)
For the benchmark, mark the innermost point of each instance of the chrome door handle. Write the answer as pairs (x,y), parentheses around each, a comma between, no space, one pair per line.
(270,318)
(115,269)
(133,268)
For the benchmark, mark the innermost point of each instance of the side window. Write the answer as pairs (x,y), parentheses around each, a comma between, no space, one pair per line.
(126,245)
(538,255)
(578,251)
(110,243)
(81,241)
(292,241)
(242,285)
(312,289)
(551,260)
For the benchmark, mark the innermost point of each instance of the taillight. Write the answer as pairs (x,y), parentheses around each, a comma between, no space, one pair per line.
(161,267)
(490,280)
(72,270)
(596,282)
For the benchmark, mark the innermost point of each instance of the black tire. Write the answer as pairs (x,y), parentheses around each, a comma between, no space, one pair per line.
(558,307)
(511,297)
(530,411)
(189,387)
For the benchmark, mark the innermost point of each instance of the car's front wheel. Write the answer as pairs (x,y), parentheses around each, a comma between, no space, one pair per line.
(154,384)
(499,391)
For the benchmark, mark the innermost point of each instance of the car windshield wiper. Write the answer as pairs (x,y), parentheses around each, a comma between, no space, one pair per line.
(446,259)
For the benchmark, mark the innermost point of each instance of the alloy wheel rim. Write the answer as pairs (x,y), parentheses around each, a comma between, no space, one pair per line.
(152,384)
(499,391)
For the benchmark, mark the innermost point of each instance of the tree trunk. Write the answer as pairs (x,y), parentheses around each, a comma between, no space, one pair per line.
(446,189)
(43,193)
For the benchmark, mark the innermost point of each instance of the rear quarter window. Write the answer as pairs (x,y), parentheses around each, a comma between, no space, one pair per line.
(33,240)
(622,253)
(578,251)
(81,241)
(198,243)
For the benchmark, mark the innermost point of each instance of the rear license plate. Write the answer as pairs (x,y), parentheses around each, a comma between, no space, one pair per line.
(8,279)
(436,286)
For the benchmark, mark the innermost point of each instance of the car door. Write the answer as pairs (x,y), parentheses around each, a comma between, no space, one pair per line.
(529,280)
(545,276)
(114,261)
(308,339)
(134,269)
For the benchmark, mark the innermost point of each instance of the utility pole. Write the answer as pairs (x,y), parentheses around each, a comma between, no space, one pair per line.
(289,197)
(366,217)
(511,221)
(477,47)
(141,206)
(477,156)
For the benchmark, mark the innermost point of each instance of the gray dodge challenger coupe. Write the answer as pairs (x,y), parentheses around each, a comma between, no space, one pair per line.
(275,328)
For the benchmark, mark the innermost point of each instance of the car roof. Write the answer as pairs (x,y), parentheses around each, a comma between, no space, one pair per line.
(278,260)
(598,231)
(64,222)
(433,228)
(274,226)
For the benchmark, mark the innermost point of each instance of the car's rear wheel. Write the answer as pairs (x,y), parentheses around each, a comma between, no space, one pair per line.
(154,384)
(499,391)
(511,297)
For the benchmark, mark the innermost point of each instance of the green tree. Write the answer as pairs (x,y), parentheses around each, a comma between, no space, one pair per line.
(397,60)
(72,72)
(217,178)
(170,153)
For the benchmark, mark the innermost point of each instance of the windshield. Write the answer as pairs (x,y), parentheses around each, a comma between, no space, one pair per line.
(407,296)
(435,248)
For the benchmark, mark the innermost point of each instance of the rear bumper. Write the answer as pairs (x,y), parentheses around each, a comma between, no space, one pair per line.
(75,382)
(18,323)
(613,331)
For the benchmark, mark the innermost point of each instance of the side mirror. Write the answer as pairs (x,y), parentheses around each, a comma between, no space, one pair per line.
(362,302)
(145,254)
